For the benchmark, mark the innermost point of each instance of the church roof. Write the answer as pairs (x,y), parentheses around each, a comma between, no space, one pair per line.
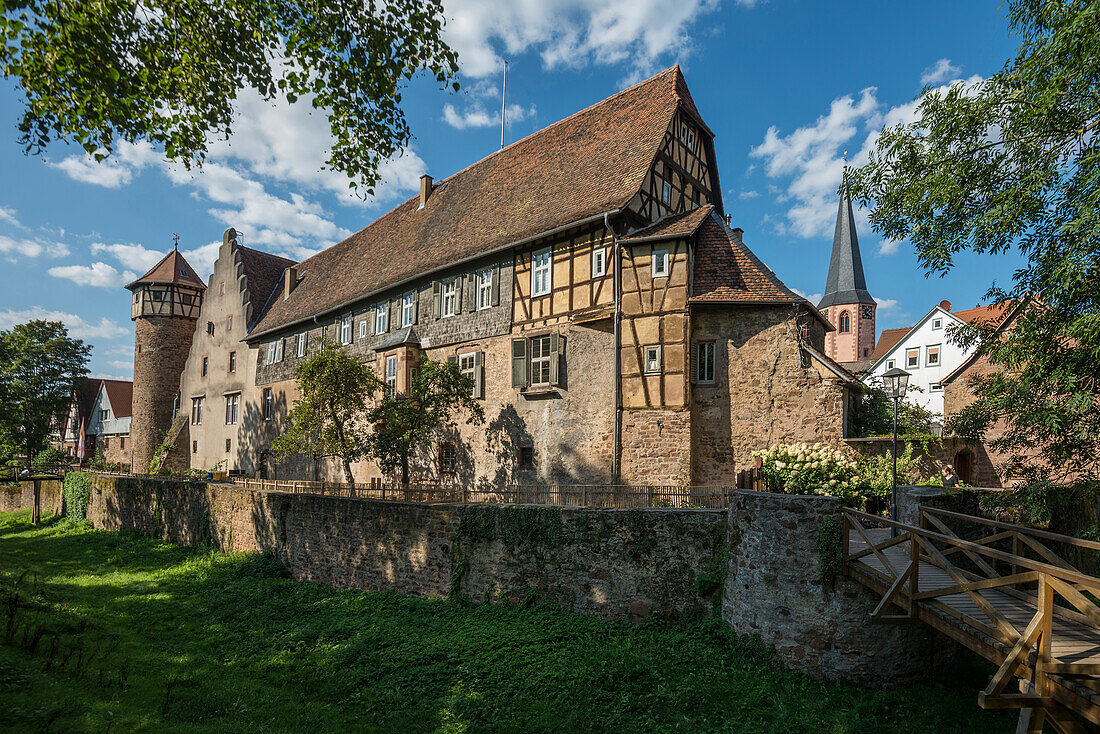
(172,268)
(572,171)
(845,283)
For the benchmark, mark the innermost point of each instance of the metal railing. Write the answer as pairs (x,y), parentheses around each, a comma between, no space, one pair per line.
(563,495)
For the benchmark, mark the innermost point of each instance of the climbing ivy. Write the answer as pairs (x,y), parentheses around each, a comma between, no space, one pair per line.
(828,549)
(77,489)
(523,531)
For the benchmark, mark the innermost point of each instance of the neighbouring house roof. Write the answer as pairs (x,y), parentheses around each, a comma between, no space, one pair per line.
(726,271)
(121,395)
(846,283)
(985,315)
(842,372)
(679,225)
(172,268)
(988,315)
(591,163)
(887,341)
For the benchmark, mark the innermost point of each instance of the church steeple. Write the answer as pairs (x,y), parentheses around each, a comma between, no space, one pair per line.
(847,303)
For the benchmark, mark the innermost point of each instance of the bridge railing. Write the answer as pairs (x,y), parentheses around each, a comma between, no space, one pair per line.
(991,579)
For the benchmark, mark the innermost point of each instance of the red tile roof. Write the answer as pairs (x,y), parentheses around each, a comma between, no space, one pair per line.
(991,314)
(678,225)
(726,271)
(887,341)
(121,395)
(576,169)
(172,268)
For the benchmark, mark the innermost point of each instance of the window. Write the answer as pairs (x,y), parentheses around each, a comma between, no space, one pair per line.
(704,362)
(449,305)
(382,318)
(196,411)
(890,364)
(391,374)
(194,447)
(210,328)
(540,360)
(467,365)
(448,458)
(121,442)
(268,404)
(845,323)
(104,415)
(540,272)
(652,359)
(228,445)
(232,402)
(660,263)
(666,193)
(300,345)
(937,324)
(275,351)
(599,262)
(912,357)
(408,309)
(228,324)
(527,458)
(484,288)
(232,361)
(205,365)
(687,137)
(345,330)
(933,358)
(935,387)
(363,329)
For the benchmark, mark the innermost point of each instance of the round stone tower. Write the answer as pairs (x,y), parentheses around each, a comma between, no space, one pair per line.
(164,308)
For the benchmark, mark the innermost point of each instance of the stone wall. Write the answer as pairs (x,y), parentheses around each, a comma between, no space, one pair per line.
(20,496)
(656,447)
(161,344)
(775,588)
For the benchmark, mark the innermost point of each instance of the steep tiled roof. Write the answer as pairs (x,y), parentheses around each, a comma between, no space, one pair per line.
(887,341)
(578,168)
(678,225)
(172,268)
(986,315)
(263,271)
(121,395)
(727,271)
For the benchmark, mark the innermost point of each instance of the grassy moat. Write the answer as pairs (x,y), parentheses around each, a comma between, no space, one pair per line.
(120,633)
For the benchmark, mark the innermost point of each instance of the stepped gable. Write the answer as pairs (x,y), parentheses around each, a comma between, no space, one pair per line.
(172,268)
(585,165)
(263,272)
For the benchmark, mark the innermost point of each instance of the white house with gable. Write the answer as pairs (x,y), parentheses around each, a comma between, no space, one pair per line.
(925,351)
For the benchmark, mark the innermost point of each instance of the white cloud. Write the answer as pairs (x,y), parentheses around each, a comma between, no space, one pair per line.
(888,247)
(477,116)
(886,304)
(31,248)
(575,33)
(8,215)
(813,298)
(100,275)
(141,259)
(942,71)
(78,327)
(749,194)
(121,364)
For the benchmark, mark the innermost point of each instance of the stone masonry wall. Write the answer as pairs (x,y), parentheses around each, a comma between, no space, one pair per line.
(775,588)
(20,496)
(161,344)
(656,447)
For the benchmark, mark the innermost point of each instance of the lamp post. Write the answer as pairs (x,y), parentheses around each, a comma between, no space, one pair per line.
(895,382)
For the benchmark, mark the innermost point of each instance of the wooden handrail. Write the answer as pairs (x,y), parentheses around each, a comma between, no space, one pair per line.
(1067,539)
(1021,561)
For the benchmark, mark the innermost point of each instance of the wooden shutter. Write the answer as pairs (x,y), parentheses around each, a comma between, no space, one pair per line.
(436,287)
(479,376)
(496,285)
(394,320)
(694,362)
(519,363)
(471,292)
(416,307)
(555,358)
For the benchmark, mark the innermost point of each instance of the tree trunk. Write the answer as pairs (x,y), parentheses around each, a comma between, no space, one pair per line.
(348,476)
(405,471)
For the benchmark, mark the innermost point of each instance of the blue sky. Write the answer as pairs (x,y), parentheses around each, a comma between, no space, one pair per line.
(786,86)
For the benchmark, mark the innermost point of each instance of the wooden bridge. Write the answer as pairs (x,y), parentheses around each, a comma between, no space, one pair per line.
(1001,590)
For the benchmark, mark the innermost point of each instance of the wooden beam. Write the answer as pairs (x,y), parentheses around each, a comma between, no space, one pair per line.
(1020,578)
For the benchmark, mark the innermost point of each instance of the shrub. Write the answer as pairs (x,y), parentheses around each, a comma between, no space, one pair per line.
(50,461)
(809,469)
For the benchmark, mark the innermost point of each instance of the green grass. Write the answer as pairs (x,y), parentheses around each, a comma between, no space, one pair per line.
(166,638)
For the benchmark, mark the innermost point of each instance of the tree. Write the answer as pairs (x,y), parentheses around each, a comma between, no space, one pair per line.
(872,414)
(405,423)
(169,71)
(330,416)
(1013,163)
(41,370)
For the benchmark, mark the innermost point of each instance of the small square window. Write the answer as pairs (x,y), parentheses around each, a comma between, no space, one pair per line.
(652,359)
(210,328)
(599,262)
(933,356)
(660,263)
(890,364)
(912,357)
(937,324)
(527,458)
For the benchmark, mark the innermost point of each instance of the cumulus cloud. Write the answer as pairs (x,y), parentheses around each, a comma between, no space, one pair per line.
(78,327)
(888,247)
(15,249)
(886,304)
(572,33)
(100,275)
(749,194)
(939,72)
(141,259)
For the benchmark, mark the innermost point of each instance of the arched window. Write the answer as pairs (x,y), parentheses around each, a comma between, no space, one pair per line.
(845,323)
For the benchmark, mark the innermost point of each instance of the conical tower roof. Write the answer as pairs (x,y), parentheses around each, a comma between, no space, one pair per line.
(846,283)
(172,269)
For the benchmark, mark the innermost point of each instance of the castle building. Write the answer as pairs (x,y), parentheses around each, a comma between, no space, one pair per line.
(166,303)
(846,302)
(616,328)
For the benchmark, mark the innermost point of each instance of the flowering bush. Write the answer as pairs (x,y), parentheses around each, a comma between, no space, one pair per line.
(811,469)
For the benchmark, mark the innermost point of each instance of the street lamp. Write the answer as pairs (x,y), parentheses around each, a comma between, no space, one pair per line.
(895,382)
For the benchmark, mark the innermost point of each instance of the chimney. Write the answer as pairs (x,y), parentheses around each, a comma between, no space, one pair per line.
(737,234)
(425,189)
(290,279)
(946,305)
